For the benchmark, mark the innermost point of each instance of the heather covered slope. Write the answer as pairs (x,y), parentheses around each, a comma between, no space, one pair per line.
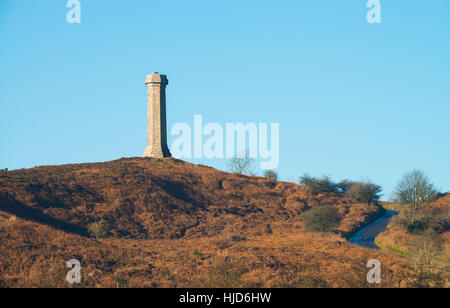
(163,199)
(174,224)
(35,255)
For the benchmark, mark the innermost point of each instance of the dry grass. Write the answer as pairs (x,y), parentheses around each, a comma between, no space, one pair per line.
(398,240)
(162,199)
(175,224)
(34,255)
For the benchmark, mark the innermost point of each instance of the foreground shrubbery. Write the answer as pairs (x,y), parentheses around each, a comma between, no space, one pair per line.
(322,219)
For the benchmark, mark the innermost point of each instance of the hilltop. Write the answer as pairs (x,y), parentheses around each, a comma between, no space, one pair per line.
(175,224)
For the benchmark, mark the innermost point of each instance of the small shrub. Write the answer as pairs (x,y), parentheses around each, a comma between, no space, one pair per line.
(99,229)
(417,227)
(365,193)
(270,174)
(322,219)
(414,221)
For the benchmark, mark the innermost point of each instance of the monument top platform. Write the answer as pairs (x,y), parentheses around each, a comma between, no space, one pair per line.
(156,78)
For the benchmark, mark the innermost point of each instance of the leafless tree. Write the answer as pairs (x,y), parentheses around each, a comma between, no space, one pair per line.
(242,164)
(414,189)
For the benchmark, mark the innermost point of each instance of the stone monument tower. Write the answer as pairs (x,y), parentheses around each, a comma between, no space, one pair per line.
(156,117)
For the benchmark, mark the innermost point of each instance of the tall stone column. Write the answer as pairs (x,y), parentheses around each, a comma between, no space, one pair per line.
(156,117)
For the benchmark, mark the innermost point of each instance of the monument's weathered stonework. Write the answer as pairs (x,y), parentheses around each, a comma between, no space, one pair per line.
(156,117)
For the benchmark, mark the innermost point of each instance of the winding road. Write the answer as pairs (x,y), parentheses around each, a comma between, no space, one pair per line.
(366,236)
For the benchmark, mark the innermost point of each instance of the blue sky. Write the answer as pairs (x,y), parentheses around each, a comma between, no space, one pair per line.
(354,100)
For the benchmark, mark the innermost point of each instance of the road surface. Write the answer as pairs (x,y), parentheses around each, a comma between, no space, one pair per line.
(366,236)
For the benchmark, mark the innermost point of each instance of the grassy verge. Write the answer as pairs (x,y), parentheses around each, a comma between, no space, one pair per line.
(384,245)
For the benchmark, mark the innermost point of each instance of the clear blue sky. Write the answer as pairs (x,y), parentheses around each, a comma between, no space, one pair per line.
(354,100)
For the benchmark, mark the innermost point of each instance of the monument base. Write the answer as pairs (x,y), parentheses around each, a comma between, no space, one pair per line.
(156,154)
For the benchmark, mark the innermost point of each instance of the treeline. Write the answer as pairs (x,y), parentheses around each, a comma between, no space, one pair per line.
(362,192)
(325,218)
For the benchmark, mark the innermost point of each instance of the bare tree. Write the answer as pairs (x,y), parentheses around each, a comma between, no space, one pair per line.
(242,164)
(414,189)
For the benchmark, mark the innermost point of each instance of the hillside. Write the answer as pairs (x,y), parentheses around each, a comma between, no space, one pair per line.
(162,199)
(396,238)
(175,224)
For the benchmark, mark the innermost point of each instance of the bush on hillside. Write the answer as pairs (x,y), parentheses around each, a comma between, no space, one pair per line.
(419,221)
(99,229)
(321,219)
(365,193)
(409,216)
(417,227)
(270,174)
